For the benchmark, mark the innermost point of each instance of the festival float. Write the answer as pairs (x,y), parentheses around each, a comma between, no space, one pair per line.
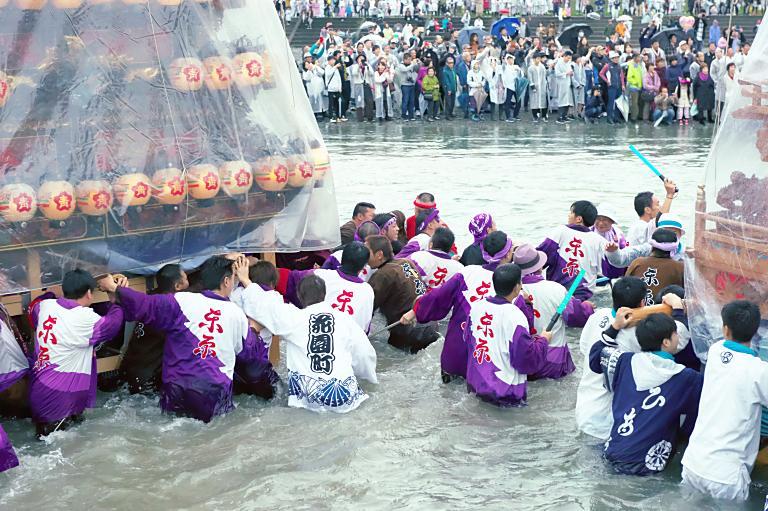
(138,133)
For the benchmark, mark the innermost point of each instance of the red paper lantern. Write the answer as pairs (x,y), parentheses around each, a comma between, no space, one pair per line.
(169,186)
(186,74)
(203,181)
(218,72)
(236,177)
(18,202)
(67,4)
(133,189)
(56,200)
(300,171)
(94,197)
(248,69)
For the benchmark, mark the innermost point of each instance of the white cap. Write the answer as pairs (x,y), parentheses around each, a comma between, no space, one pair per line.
(608,212)
(670,221)
(612,55)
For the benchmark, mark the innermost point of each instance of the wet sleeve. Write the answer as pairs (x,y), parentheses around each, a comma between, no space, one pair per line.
(577,313)
(331,263)
(549,247)
(254,352)
(408,249)
(436,304)
(527,310)
(691,407)
(624,256)
(269,311)
(527,354)
(108,326)
(158,311)
(292,286)
(363,355)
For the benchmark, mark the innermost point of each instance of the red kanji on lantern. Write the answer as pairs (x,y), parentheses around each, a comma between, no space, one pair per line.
(23,202)
(254,68)
(281,174)
(176,185)
(243,177)
(481,291)
(571,267)
(47,335)
(574,247)
(305,168)
(438,277)
(211,323)
(211,181)
(3,89)
(205,347)
(101,200)
(342,302)
(140,190)
(223,72)
(63,201)
(192,73)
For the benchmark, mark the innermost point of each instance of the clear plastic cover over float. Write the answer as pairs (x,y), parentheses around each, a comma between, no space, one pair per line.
(134,133)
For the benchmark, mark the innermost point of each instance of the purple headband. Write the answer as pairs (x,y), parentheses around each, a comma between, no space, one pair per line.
(434,215)
(387,225)
(478,227)
(498,256)
(672,246)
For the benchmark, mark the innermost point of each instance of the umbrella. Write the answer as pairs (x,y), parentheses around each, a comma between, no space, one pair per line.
(570,35)
(622,104)
(367,26)
(511,24)
(624,18)
(376,38)
(520,85)
(466,33)
(479,96)
(663,36)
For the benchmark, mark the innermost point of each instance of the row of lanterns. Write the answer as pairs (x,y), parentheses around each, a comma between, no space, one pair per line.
(36,5)
(245,69)
(57,200)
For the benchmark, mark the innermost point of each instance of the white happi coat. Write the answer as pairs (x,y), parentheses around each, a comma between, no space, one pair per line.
(587,253)
(12,359)
(268,297)
(726,438)
(479,282)
(364,274)
(547,296)
(326,352)
(640,232)
(435,270)
(353,298)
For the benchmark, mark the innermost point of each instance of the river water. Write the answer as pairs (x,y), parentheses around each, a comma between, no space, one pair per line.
(417,443)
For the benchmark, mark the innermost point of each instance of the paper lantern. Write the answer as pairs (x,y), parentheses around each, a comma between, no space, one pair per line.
(6,88)
(31,5)
(94,197)
(56,200)
(218,72)
(268,79)
(248,69)
(203,181)
(135,2)
(321,160)
(18,202)
(272,174)
(186,74)
(133,189)
(168,186)
(300,171)
(169,2)
(67,4)
(236,177)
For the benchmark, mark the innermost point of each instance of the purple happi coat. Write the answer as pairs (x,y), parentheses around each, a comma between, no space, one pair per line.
(501,352)
(8,457)
(206,335)
(64,373)
(570,248)
(614,235)
(546,297)
(471,284)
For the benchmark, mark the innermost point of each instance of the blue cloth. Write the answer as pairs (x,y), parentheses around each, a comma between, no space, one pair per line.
(646,423)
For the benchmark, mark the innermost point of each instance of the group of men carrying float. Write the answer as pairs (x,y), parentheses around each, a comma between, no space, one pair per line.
(500,297)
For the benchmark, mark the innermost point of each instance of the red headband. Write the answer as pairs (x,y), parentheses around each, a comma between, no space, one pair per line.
(424,205)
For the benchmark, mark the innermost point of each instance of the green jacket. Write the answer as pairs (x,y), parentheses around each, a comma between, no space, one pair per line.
(430,85)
